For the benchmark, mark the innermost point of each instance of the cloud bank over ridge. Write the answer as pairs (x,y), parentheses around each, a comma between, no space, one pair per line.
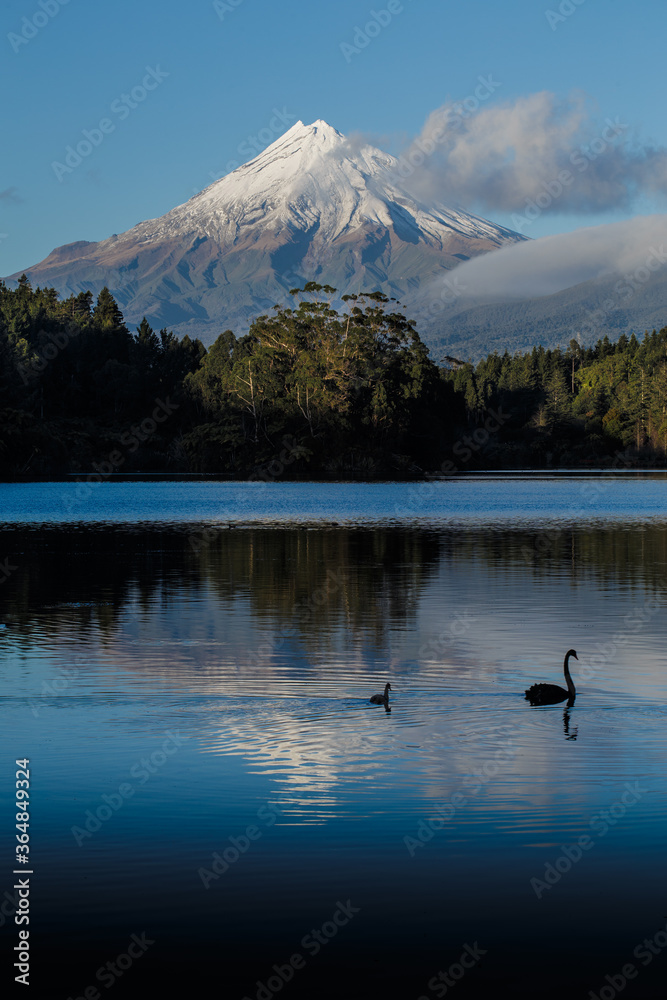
(632,250)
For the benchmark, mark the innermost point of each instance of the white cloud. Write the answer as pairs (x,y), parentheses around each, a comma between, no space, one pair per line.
(551,263)
(557,154)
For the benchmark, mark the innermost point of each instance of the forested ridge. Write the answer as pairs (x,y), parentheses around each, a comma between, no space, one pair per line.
(309,391)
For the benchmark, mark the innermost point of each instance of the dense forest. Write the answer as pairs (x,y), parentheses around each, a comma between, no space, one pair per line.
(309,391)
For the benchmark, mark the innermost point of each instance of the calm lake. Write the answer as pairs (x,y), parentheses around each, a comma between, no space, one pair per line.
(188,666)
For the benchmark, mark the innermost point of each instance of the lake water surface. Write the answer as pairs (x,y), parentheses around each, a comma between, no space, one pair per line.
(188,668)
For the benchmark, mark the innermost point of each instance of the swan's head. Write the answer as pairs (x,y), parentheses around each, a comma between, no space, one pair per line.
(572,652)
(387,687)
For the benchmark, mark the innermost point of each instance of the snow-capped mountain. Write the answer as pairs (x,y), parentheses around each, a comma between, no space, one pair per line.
(311,206)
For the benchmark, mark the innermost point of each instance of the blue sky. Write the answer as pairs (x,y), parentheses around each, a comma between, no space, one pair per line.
(225,73)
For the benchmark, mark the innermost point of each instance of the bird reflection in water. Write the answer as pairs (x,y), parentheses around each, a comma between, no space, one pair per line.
(566,724)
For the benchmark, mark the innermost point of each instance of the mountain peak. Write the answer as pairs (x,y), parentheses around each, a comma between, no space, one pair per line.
(317,128)
(323,133)
(315,139)
(320,126)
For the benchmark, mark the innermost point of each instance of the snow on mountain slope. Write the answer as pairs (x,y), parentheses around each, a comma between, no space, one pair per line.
(310,206)
(308,178)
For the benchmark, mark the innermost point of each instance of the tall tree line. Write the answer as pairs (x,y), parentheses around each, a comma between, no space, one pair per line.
(575,404)
(334,393)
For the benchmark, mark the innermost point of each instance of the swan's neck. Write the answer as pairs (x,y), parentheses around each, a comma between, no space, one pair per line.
(566,670)
(386,692)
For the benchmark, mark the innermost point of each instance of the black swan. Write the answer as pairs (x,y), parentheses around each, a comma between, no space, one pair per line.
(382,699)
(551,694)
